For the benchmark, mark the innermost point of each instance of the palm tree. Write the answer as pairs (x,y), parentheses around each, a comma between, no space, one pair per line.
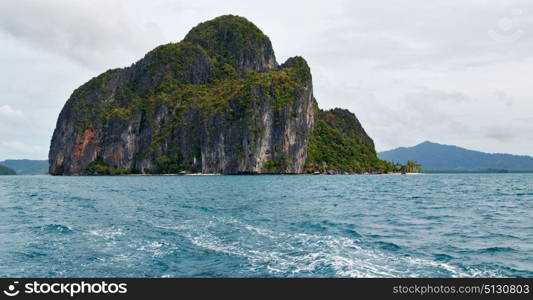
(411,167)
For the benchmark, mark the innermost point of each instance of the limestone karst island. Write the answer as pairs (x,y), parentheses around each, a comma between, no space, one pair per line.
(216,102)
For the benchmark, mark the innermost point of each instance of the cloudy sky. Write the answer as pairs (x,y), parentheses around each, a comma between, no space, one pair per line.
(450,71)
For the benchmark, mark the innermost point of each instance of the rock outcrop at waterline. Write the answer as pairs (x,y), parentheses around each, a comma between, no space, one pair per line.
(216,102)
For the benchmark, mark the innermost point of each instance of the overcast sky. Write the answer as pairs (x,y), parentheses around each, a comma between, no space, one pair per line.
(452,71)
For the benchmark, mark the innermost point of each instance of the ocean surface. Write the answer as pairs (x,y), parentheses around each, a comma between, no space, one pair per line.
(433,225)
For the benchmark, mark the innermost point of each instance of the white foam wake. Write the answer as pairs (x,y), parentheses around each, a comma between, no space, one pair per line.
(301,254)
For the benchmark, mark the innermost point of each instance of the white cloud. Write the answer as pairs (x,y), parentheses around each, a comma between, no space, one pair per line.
(7,112)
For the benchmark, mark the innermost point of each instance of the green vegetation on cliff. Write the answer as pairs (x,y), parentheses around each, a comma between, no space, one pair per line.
(169,89)
(339,144)
(99,167)
(232,43)
(233,97)
(215,102)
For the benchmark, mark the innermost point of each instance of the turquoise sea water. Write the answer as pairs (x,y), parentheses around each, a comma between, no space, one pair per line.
(459,225)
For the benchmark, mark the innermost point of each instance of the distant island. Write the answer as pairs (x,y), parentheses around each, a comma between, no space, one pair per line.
(6,171)
(27,166)
(216,102)
(446,158)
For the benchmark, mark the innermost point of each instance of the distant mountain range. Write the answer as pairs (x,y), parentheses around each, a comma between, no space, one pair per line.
(445,158)
(26,166)
(6,171)
(433,157)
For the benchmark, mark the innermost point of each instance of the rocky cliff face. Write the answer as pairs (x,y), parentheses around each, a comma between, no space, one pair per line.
(216,102)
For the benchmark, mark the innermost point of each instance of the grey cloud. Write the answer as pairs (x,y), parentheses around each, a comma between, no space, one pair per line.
(499,133)
(411,70)
(396,35)
(436,97)
(504,98)
(93,33)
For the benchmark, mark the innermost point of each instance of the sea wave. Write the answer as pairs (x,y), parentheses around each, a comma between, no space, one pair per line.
(302,254)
